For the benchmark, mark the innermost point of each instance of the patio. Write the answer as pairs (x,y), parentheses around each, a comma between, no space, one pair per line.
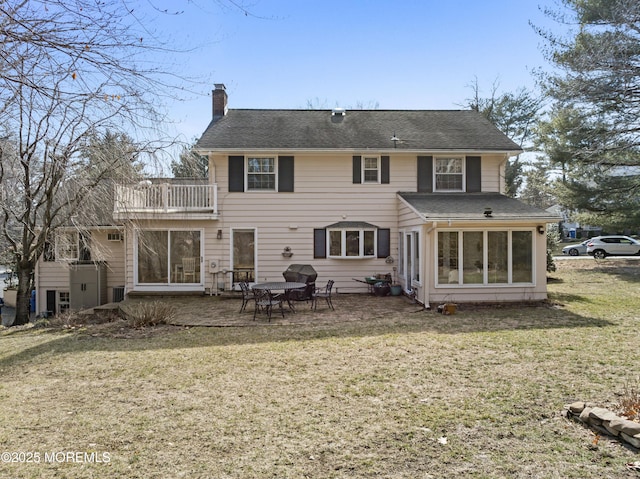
(223,312)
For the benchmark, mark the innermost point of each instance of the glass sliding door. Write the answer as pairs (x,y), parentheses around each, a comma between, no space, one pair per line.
(153,248)
(185,256)
(168,257)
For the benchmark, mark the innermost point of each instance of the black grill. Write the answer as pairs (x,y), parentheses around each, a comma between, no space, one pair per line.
(301,273)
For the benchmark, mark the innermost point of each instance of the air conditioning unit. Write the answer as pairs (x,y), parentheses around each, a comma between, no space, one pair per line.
(214,266)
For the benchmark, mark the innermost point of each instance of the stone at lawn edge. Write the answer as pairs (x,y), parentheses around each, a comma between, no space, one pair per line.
(634,441)
(602,414)
(584,415)
(612,430)
(576,407)
(630,428)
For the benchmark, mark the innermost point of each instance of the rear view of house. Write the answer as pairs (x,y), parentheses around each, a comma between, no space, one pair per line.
(417,194)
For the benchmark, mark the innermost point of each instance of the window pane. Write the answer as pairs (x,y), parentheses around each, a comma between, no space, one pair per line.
(401,254)
(243,255)
(369,243)
(498,257)
(371,176)
(371,163)
(335,243)
(261,174)
(185,256)
(449,182)
(152,257)
(522,255)
(353,243)
(472,252)
(448,257)
(449,174)
(416,256)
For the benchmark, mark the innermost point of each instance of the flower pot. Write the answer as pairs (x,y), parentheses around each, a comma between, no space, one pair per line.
(396,290)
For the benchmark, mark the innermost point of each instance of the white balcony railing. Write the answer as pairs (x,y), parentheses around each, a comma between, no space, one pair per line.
(166,198)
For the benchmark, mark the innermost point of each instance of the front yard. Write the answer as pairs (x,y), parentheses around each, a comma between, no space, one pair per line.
(395,392)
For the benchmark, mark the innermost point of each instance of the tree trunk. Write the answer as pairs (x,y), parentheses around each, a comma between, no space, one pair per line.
(24,294)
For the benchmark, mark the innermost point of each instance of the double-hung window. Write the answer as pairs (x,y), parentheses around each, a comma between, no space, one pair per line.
(449,174)
(261,174)
(371,169)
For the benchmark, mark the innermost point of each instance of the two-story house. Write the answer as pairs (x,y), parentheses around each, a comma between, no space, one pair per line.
(415,193)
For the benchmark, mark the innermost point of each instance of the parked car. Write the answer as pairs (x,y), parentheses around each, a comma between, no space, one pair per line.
(576,249)
(603,246)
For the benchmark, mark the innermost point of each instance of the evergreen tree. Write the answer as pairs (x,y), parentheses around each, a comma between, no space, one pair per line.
(594,133)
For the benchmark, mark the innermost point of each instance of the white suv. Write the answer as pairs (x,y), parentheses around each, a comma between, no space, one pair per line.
(603,246)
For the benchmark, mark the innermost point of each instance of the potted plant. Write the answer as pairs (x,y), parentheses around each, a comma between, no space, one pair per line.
(396,289)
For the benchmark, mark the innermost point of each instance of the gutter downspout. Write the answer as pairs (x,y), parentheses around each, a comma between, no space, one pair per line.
(427,303)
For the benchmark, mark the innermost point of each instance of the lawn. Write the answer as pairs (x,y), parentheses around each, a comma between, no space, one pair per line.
(408,395)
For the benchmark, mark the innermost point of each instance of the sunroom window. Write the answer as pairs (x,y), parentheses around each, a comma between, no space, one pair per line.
(485,257)
(449,174)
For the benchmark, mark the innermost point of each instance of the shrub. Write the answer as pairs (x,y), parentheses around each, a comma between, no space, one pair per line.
(629,403)
(150,313)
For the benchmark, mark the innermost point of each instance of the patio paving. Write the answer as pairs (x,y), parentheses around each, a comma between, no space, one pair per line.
(224,312)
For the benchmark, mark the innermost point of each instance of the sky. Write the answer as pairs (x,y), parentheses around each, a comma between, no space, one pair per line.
(399,54)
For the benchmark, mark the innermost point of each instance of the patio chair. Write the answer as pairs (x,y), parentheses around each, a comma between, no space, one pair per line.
(265,302)
(246,295)
(323,293)
(189,269)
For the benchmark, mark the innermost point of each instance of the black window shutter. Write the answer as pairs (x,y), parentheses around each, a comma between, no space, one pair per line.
(425,174)
(285,173)
(474,174)
(320,243)
(384,174)
(384,242)
(236,173)
(357,169)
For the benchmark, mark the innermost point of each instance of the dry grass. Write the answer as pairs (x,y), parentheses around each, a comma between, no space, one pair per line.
(370,392)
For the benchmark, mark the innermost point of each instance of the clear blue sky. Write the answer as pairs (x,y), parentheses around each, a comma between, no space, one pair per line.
(396,54)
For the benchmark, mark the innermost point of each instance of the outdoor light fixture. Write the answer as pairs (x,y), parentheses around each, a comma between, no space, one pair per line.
(541,229)
(287,253)
(219,235)
(488,212)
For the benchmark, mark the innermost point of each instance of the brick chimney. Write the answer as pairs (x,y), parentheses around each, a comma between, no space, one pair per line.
(219,101)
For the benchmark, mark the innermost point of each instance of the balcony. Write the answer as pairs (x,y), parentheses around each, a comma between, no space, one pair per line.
(166,200)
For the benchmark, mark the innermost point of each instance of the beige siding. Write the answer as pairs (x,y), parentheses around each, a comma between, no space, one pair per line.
(54,275)
(51,275)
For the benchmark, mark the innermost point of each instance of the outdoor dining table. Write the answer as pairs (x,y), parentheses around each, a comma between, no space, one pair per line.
(285,286)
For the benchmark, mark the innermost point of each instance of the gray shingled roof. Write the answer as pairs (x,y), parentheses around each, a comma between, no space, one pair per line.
(358,129)
(471,206)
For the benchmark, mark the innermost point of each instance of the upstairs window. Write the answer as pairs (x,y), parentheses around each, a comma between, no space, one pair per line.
(449,174)
(261,174)
(370,169)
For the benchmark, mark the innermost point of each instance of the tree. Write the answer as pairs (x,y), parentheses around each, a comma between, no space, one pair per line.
(538,190)
(190,164)
(70,73)
(595,131)
(514,114)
